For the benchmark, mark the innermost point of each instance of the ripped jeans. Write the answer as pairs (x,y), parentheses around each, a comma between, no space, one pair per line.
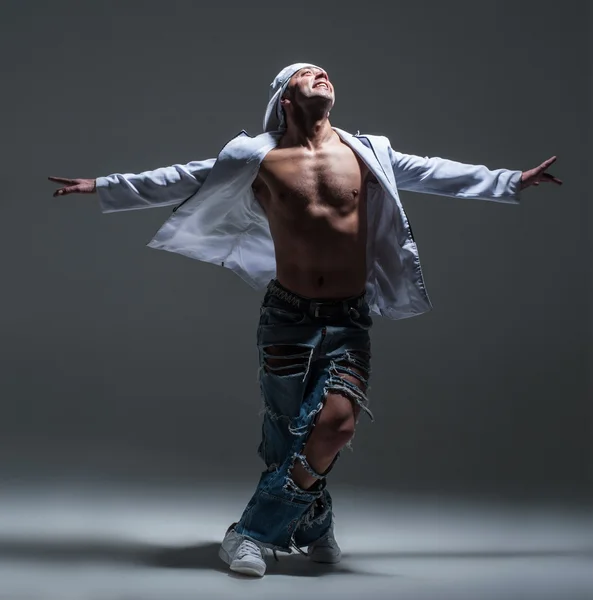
(317,347)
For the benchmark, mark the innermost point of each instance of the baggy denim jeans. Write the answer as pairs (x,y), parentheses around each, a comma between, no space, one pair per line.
(315,353)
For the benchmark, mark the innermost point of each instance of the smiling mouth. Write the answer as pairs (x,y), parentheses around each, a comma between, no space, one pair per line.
(321,84)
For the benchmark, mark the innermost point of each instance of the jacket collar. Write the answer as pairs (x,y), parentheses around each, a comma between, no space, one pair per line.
(369,155)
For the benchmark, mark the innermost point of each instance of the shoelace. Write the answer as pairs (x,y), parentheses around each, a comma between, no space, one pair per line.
(297,549)
(249,548)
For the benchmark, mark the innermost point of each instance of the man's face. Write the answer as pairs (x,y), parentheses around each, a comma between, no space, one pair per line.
(310,84)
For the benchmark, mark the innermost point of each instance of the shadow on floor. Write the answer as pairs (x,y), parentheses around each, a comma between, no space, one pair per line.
(205,556)
(197,556)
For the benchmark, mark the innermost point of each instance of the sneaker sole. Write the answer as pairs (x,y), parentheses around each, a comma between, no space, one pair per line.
(328,560)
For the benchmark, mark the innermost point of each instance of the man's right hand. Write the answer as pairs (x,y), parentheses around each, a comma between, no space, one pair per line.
(74,186)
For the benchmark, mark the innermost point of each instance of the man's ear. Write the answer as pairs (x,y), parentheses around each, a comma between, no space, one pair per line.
(284,102)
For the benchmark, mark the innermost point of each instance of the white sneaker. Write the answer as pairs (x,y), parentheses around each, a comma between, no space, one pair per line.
(325,549)
(242,555)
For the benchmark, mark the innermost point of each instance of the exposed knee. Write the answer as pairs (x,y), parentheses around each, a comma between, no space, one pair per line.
(345,393)
(337,421)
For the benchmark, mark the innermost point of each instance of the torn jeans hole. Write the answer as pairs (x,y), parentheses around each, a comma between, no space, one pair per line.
(287,359)
(353,364)
(309,469)
(298,430)
(305,430)
(315,514)
(356,365)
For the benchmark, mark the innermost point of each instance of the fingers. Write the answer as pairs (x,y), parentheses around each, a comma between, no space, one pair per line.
(546,164)
(72,186)
(61,180)
(548,177)
(67,190)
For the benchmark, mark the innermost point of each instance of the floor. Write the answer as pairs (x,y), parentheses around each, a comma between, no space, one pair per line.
(108,542)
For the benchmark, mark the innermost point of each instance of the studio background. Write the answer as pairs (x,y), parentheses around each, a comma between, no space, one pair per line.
(119,362)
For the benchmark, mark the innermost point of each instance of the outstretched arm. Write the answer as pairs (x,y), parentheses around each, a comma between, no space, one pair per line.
(450,178)
(161,187)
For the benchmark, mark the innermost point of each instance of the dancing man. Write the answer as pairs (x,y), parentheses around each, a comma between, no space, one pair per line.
(312,214)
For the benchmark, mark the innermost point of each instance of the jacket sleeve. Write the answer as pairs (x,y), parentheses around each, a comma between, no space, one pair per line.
(450,178)
(162,187)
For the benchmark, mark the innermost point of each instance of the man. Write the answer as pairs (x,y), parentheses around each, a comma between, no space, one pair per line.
(313,213)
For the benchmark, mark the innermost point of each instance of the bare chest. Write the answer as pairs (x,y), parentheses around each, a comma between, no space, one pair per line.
(326,181)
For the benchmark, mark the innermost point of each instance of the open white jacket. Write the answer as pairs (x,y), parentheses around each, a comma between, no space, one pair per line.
(218,220)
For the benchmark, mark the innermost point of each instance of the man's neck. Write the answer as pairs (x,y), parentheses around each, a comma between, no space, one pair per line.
(309,133)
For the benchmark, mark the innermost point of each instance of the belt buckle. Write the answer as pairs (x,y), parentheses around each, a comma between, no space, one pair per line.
(315,306)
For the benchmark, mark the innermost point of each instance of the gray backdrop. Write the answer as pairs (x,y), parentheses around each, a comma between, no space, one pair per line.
(122,361)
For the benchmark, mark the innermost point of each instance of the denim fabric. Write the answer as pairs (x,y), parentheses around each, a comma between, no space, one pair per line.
(316,353)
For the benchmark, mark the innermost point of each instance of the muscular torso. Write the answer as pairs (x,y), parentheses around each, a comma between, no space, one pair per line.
(316,207)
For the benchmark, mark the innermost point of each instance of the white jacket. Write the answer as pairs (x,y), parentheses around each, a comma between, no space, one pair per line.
(218,220)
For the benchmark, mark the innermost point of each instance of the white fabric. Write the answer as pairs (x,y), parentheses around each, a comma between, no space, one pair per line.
(218,220)
(274,118)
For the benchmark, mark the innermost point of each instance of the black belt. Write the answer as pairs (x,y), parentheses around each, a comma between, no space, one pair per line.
(318,308)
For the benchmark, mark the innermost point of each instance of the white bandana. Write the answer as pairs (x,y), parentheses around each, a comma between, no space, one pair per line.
(274,119)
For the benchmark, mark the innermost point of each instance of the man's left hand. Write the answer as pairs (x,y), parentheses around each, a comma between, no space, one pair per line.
(537,175)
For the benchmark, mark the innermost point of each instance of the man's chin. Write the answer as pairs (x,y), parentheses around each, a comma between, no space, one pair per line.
(322,97)
(317,102)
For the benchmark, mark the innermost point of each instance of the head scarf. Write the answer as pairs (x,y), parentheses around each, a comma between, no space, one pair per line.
(274,118)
